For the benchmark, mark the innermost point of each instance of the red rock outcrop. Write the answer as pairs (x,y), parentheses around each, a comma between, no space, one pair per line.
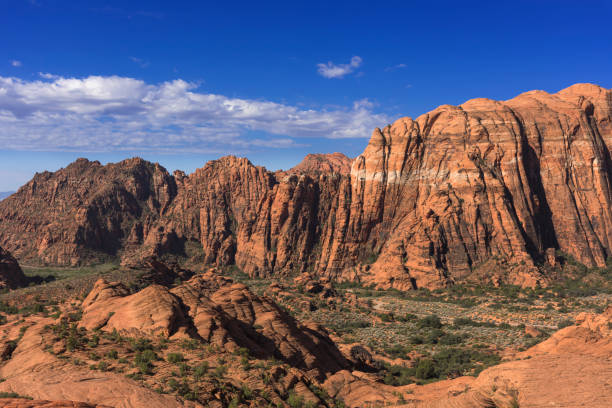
(34,372)
(213,308)
(571,369)
(483,190)
(11,275)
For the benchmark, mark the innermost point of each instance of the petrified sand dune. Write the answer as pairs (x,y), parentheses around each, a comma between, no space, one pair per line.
(571,369)
(214,309)
(432,200)
(34,372)
(208,307)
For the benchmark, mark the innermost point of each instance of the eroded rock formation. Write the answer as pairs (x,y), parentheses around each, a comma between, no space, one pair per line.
(214,309)
(86,212)
(480,191)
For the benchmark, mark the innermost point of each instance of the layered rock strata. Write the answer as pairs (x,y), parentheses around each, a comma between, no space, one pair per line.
(484,190)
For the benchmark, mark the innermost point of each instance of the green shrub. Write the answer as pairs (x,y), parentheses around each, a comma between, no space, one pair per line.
(141,344)
(450,339)
(295,401)
(4,394)
(431,321)
(220,371)
(146,355)
(190,344)
(143,360)
(200,370)
(175,358)
(426,369)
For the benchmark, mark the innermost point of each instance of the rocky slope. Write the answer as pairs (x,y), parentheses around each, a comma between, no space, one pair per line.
(212,308)
(11,275)
(267,355)
(478,191)
(95,352)
(570,369)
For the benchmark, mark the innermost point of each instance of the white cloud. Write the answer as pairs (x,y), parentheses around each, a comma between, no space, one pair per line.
(394,67)
(141,62)
(46,75)
(16,63)
(331,70)
(112,113)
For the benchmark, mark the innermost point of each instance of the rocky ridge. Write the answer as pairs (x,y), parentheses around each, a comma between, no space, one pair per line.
(213,309)
(209,318)
(480,191)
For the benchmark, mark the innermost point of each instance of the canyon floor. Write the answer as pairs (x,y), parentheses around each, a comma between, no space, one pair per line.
(389,347)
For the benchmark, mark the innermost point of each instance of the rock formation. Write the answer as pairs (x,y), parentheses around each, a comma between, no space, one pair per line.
(570,369)
(86,212)
(34,372)
(214,309)
(11,275)
(485,190)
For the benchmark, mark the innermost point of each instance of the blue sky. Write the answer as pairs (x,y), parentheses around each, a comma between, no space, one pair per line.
(185,82)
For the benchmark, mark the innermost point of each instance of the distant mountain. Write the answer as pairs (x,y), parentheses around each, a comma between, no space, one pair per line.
(315,164)
(4,194)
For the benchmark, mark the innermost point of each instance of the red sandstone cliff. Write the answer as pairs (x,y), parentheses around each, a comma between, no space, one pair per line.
(86,212)
(480,189)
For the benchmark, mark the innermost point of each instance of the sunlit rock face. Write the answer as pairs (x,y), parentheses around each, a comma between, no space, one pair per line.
(476,191)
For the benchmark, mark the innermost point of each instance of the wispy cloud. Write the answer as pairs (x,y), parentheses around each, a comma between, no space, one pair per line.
(129,14)
(112,113)
(394,67)
(47,75)
(16,63)
(331,70)
(141,62)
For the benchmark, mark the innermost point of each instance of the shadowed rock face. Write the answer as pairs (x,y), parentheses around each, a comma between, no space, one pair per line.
(485,186)
(86,212)
(11,275)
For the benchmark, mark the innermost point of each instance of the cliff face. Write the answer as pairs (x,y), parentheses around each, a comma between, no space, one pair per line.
(476,191)
(86,212)
(503,180)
